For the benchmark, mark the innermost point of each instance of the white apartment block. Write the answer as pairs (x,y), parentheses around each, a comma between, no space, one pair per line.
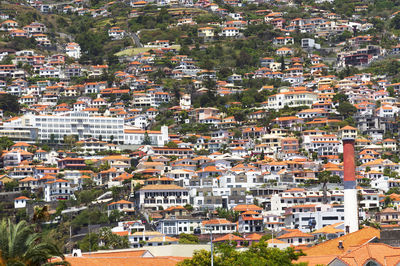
(292,99)
(178,226)
(280,202)
(136,137)
(298,216)
(73,50)
(164,196)
(57,190)
(79,124)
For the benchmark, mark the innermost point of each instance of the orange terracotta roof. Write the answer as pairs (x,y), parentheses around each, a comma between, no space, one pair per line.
(275,241)
(120,202)
(246,207)
(330,247)
(122,233)
(255,237)
(381,253)
(296,233)
(162,187)
(28,179)
(216,221)
(22,198)
(179,207)
(122,259)
(229,237)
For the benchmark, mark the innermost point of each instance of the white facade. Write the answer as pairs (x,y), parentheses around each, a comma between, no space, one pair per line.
(230,32)
(177,226)
(78,124)
(323,215)
(49,72)
(165,196)
(20,202)
(136,137)
(73,50)
(185,102)
(57,190)
(292,99)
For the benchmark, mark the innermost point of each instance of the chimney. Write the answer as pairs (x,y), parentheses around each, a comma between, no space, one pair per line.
(76,252)
(340,245)
(350,191)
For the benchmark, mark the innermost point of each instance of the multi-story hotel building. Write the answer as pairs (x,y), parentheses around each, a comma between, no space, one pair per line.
(78,124)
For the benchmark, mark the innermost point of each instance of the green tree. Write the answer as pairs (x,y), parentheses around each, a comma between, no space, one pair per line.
(20,245)
(323,178)
(114,216)
(5,143)
(70,140)
(388,201)
(172,145)
(283,64)
(86,196)
(230,215)
(257,254)
(112,241)
(395,22)
(340,97)
(10,186)
(41,214)
(188,207)
(21,215)
(188,239)
(147,139)
(346,109)
(393,190)
(9,103)
(89,243)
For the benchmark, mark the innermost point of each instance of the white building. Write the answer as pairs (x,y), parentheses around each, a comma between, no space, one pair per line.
(292,99)
(185,102)
(309,43)
(219,226)
(49,72)
(116,33)
(73,50)
(79,124)
(122,206)
(162,196)
(59,189)
(177,226)
(230,32)
(298,216)
(136,137)
(20,202)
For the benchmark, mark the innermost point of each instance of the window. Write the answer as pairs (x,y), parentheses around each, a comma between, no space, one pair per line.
(371,263)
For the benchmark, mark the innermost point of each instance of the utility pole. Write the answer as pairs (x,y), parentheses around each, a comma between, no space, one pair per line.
(212,252)
(90,244)
(198,231)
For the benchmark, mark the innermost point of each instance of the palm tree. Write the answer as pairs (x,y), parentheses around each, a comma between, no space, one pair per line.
(19,245)
(41,214)
(324,178)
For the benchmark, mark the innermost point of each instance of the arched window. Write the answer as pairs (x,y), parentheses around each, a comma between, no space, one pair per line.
(372,263)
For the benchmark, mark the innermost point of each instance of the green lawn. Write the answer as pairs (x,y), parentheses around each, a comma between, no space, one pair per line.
(135,51)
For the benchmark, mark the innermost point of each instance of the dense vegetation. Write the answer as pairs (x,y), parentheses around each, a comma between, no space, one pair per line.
(257,254)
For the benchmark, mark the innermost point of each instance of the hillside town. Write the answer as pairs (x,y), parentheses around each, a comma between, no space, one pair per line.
(204,132)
